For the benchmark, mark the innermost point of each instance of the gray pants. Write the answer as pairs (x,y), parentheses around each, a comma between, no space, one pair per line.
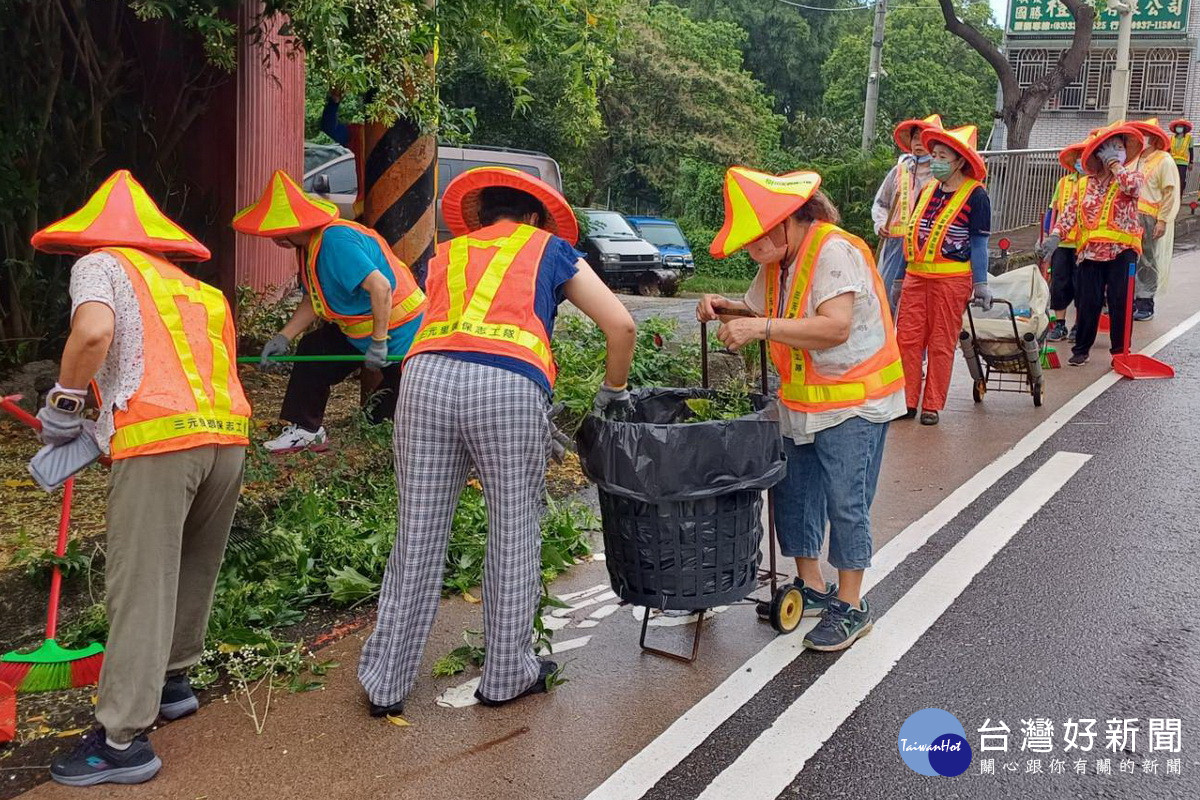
(1146,283)
(168,523)
(450,414)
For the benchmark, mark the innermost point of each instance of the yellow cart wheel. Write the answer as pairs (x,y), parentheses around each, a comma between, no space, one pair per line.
(787,608)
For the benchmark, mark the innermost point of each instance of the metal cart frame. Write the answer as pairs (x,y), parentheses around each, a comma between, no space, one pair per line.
(1019,372)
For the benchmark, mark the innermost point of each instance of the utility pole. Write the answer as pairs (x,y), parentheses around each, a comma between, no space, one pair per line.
(874,73)
(1118,93)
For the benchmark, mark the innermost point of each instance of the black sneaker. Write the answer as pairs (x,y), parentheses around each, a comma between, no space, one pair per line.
(548,668)
(93,762)
(178,699)
(841,626)
(815,602)
(393,710)
(1078,359)
(1074,332)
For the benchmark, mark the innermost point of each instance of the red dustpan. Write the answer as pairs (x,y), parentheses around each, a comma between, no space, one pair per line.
(1136,365)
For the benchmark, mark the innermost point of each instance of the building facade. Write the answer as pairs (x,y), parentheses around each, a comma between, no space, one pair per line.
(1164,65)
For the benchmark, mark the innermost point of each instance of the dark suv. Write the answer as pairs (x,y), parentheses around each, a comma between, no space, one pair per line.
(623,259)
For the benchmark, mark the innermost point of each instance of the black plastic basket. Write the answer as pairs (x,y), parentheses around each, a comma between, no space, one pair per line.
(684,555)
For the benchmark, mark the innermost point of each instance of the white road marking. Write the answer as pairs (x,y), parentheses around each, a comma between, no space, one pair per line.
(588,623)
(774,759)
(591,601)
(637,775)
(569,644)
(597,589)
(464,695)
(556,623)
(660,620)
(603,611)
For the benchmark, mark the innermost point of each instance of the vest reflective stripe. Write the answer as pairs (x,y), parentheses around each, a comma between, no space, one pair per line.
(928,260)
(469,314)
(905,184)
(1149,163)
(1181,147)
(219,413)
(1064,196)
(802,388)
(1103,229)
(407,299)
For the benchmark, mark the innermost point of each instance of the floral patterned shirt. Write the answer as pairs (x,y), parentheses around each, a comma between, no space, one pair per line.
(1125,212)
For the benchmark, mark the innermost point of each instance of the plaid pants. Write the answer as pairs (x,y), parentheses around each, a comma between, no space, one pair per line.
(449,414)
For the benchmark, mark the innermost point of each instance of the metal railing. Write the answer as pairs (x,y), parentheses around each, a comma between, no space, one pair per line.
(1020,184)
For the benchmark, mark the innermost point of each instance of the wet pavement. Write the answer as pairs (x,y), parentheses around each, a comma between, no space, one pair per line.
(1025,584)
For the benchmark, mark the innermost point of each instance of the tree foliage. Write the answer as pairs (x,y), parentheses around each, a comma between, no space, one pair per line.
(926,69)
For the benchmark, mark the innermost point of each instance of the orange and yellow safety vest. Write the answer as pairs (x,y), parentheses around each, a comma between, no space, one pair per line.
(1149,162)
(902,202)
(1104,227)
(1064,196)
(407,300)
(802,387)
(481,296)
(190,394)
(1181,147)
(928,260)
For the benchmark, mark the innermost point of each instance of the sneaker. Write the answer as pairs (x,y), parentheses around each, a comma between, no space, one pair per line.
(840,626)
(93,762)
(1058,331)
(1074,332)
(178,699)
(1078,359)
(929,418)
(294,439)
(1143,309)
(394,710)
(910,413)
(815,602)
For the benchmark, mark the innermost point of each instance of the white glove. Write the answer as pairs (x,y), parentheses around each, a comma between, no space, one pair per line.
(377,354)
(1112,150)
(277,346)
(982,296)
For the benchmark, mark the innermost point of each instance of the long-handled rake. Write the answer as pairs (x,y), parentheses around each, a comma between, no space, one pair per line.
(51,666)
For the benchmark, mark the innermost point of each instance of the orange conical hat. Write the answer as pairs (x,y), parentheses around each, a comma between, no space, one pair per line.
(120,214)
(755,202)
(1151,129)
(1133,145)
(1068,154)
(962,141)
(902,134)
(284,208)
(1181,121)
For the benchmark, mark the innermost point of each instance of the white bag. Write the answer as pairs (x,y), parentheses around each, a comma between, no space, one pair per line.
(1029,294)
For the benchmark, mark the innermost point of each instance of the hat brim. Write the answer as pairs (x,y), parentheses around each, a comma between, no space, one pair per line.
(1133,147)
(974,166)
(318,214)
(461,201)
(82,244)
(1069,154)
(1187,126)
(1154,132)
(905,130)
(726,242)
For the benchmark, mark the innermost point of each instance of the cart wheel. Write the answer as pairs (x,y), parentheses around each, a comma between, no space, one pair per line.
(787,607)
(979,390)
(1037,394)
(763,609)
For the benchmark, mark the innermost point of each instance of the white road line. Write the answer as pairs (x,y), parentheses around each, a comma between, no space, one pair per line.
(774,759)
(597,589)
(604,611)
(569,644)
(637,775)
(591,601)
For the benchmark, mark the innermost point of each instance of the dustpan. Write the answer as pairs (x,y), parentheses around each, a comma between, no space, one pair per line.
(1136,365)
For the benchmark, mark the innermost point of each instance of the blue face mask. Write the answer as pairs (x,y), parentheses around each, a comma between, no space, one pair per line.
(1079,166)
(923,159)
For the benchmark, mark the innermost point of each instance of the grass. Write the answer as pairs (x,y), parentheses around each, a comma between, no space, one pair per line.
(710,284)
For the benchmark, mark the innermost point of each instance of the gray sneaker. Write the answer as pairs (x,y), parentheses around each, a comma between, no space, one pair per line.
(93,762)
(840,626)
(178,699)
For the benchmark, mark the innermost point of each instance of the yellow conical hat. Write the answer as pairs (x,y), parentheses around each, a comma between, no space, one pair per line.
(284,208)
(755,202)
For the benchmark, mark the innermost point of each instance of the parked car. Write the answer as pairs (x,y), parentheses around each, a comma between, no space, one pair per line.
(622,258)
(329,171)
(666,235)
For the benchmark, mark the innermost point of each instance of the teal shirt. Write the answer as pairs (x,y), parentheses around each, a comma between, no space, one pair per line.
(345,260)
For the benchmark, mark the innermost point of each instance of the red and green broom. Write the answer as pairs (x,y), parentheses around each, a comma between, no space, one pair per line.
(51,666)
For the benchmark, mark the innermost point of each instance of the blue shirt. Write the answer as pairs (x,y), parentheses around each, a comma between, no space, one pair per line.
(344,261)
(556,268)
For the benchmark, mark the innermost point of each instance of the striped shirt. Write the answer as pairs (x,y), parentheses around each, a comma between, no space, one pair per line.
(974,219)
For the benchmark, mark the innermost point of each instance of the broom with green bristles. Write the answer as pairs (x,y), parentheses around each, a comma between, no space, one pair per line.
(51,666)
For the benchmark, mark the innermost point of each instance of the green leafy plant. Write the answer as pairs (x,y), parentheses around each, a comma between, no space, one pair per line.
(721,406)
(470,653)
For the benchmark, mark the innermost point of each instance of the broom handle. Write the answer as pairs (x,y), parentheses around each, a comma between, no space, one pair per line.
(60,549)
(9,404)
(1129,307)
(302,359)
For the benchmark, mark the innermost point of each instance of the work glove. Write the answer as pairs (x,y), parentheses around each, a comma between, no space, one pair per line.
(982,296)
(1112,150)
(1047,247)
(59,427)
(612,403)
(277,346)
(377,354)
(560,443)
(894,293)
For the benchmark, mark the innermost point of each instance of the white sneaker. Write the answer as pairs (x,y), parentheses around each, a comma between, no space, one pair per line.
(294,439)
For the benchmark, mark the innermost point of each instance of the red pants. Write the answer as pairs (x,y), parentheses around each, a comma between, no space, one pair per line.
(930,319)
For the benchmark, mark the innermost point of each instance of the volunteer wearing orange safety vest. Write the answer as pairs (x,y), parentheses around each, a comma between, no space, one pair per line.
(160,346)
(821,306)
(946,250)
(895,199)
(1105,213)
(476,390)
(367,298)
(1158,205)
(1181,149)
(1062,257)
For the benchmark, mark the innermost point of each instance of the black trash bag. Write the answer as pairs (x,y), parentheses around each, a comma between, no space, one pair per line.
(653,458)
(681,504)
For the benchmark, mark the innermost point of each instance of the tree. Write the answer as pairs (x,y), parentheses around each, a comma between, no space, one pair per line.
(926,70)
(1020,107)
